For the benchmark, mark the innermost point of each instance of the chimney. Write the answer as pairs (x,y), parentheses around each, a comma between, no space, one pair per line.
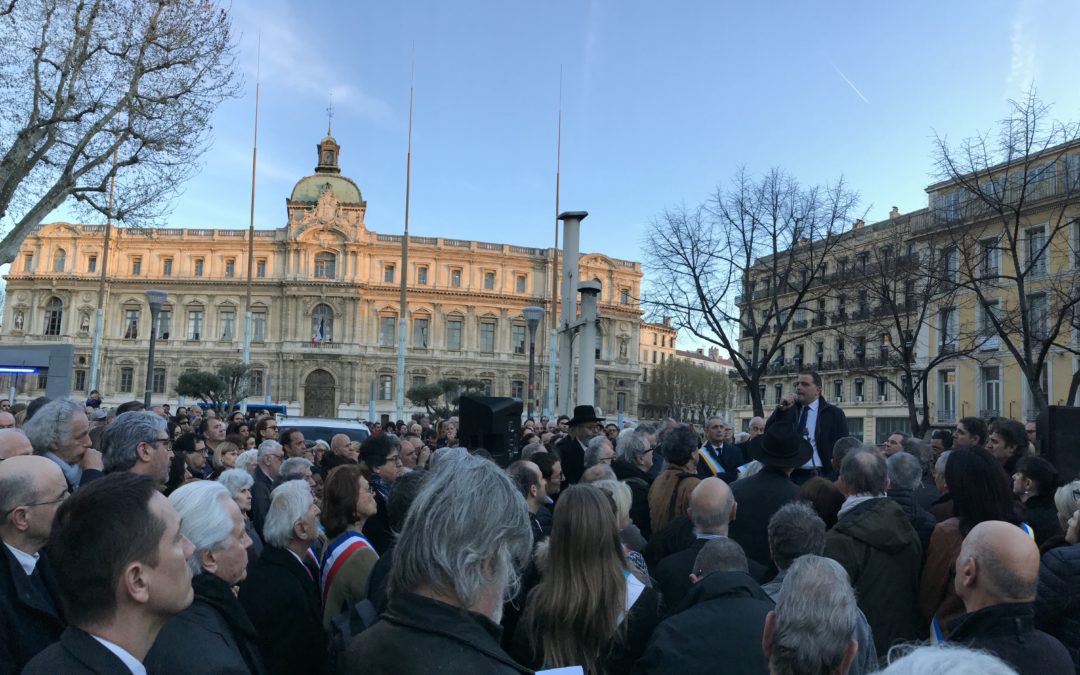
(714,353)
(701,351)
(894,214)
(667,321)
(858,224)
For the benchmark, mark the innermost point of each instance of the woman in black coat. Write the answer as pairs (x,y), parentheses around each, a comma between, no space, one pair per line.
(1034,483)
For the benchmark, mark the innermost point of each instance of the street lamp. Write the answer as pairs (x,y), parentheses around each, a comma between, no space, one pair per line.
(533,317)
(156,298)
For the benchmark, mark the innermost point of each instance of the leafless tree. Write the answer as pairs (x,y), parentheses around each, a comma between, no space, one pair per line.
(739,266)
(1008,206)
(87,81)
(897,295)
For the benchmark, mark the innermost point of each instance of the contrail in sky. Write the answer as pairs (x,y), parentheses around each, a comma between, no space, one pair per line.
(850,83)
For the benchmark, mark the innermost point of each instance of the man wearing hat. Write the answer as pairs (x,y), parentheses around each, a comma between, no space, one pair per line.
(816,420)
(780,450)
(582,427)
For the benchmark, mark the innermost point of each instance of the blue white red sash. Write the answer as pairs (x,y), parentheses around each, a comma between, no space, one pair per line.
(337,552)
(710,461)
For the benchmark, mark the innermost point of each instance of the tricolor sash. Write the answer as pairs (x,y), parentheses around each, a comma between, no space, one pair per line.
(712,463)
(337,552)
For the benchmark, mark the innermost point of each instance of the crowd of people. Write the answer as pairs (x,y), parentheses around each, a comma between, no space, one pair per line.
(152,541)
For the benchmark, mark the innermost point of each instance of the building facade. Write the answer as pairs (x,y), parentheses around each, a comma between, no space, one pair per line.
(978,237)
(324,304)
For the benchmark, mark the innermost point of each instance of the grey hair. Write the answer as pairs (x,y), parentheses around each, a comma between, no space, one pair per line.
(292,468)
(942,460)
(235,480)
(598,472)
(905,471)
(51,425)
(742,437)
(288,504)
(944,658)
(795,530)
(621,495)
(247,460)
(816,616)
(720,555)
(203,518)
(645,429)
(531,449)
(124,435)
(864,473)
(594,449)
(445,454)
(843,446)
(16,490)
(267,447)
(467,530)
(631,445)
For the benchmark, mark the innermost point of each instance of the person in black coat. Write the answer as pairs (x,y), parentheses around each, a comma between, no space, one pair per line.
(31,615)
(77,653)
(719,456)
(758,497)
(215,621)
(1034,483)
(996,576)
(1057,603)
(571,449)
(905,475)
(281,592)
(728,604)
(270,458)
(822,424)
(632,467)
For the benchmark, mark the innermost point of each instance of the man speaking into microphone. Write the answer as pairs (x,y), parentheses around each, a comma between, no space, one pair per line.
(816,420)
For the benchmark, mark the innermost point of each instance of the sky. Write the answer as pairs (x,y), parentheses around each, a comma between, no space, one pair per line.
(660,104)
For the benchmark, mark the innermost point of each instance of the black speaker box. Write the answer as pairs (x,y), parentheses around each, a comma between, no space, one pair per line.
(1059,436)
(492,423)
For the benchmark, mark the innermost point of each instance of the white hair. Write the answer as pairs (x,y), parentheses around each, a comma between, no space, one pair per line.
(247,460)
(621,495)
(235,480)
(289,502)
(267,447)
(944,659)
(204,519)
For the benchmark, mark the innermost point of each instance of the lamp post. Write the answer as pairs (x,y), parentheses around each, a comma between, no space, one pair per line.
(533,317)
(156,298)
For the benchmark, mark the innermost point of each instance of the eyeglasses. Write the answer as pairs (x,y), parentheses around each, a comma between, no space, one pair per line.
(394,458)
(62,497)
(167,442)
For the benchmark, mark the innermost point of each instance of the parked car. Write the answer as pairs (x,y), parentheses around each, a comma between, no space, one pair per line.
(324,428)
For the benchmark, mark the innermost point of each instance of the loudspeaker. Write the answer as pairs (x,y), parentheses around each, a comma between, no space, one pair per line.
(492,423)
(1059,435)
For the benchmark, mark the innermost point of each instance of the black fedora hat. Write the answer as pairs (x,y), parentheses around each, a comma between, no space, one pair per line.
(583,414)
(781,446)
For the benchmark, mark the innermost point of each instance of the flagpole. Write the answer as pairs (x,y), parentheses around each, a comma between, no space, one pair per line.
(400,397)
(251,225)
(99,313)
(553,340)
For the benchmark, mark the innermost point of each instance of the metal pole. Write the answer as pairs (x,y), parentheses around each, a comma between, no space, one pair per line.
(586,389)
(251,228)
(532,372)
(99,314)
(568,310)
(150,358)
(553,348)
(399,395)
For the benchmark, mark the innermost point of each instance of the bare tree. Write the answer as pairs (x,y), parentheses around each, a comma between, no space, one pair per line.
(87,82)
(688,391)
(896,296)
(1008,207)
(741,265)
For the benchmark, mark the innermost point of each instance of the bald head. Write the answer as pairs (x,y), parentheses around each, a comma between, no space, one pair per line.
(13,442)
(7,420)
(31,488)
(998,564)
(339,444)
(712,507)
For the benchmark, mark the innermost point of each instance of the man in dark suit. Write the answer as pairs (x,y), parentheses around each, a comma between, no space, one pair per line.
(271,455)
(101,544)
(779,449)
(816,420)
(31,618)
(719,456)
(712,508)
(281,592)
(571,449)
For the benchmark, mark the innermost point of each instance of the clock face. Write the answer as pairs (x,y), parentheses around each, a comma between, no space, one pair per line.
(328,157)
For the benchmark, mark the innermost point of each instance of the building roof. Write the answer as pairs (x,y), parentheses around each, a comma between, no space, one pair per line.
(309,188)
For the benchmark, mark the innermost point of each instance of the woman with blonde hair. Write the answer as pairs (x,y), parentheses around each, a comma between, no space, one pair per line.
(621,495)
(225,455)
(591,607)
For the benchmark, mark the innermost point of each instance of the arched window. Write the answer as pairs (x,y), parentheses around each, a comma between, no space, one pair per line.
(59,260)
(325,265)
(322,324)
(54,314)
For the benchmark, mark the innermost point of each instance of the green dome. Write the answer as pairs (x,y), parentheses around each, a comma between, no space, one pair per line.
(309,188)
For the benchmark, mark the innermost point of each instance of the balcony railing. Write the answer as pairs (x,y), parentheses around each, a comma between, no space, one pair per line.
(989,412)
(1031,414)
(946,415)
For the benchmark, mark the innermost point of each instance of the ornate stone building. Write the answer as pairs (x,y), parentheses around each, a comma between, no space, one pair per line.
(324,305)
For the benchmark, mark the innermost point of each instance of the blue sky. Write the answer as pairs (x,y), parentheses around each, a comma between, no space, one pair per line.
(660,103)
